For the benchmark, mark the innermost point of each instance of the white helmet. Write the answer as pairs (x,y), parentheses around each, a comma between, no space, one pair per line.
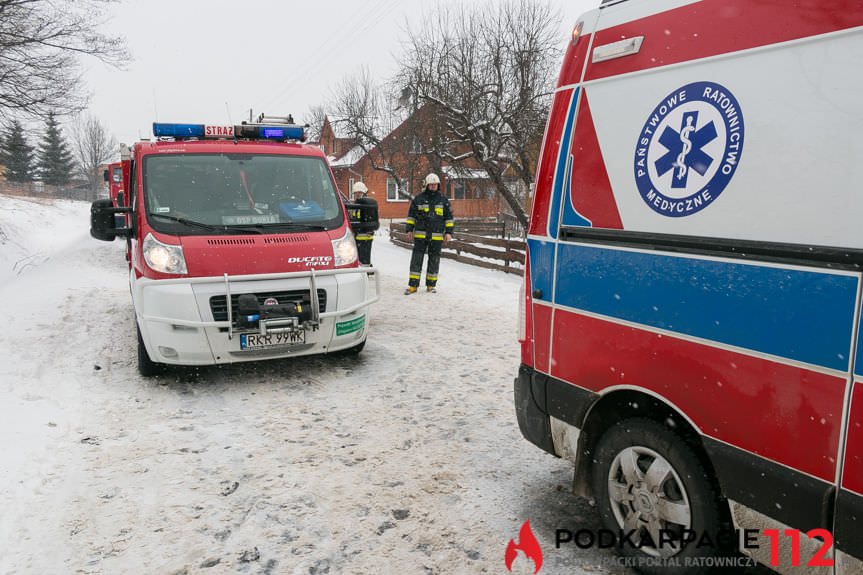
(360,188)
(432,179)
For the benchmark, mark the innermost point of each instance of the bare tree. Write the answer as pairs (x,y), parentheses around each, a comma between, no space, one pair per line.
(314,118)
(489,72)
(369,114)
(93,147)
(40,45)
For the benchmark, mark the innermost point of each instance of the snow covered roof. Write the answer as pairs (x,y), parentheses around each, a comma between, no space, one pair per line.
(352,157)
(462,173)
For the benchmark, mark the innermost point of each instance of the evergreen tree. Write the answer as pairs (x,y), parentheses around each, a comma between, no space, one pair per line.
(55,163)
(16,154)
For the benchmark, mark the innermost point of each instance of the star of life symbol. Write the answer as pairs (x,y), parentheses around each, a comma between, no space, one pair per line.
(688,149)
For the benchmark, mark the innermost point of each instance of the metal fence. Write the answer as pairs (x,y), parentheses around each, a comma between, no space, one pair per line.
(43,190)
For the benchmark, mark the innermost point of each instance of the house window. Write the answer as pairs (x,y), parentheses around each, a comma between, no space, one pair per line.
(393,193)
(350,188)
(458,190)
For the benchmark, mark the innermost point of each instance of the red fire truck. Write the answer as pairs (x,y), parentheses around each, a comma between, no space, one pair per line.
(240,247)
(114,177)
(691,313)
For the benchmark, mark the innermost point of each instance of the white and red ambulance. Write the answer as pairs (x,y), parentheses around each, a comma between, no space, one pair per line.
(692,303)
(240,247)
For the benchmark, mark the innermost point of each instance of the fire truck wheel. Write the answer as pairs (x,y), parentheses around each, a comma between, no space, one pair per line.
(655,494)
(146,366)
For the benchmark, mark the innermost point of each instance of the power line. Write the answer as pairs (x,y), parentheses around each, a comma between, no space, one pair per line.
(335,44)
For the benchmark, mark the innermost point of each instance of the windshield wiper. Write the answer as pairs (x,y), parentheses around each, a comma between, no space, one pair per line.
(187,222)
(210,227)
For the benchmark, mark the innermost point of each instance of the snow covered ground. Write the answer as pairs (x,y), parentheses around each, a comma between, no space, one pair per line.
(405,459)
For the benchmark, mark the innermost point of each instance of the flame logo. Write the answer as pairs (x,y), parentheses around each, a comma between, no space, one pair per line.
(528,545)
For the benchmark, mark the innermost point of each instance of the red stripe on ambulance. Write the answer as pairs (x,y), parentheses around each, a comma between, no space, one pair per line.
(715,27)
(548,163)
(590,189)
(802,426)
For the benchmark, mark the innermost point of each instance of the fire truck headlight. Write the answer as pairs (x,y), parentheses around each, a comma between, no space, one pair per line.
(164,258)
(345,249)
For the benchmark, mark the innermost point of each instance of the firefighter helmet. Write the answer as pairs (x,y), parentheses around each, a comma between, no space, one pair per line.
(360,188)
(432,179)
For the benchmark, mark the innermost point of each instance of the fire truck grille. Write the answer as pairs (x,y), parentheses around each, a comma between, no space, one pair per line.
(219,306)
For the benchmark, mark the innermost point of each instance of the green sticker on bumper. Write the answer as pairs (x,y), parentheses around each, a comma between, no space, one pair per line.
(350,326)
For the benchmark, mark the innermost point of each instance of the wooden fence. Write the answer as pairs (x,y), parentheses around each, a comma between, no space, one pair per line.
(464,245)
(504,226)
(481,227)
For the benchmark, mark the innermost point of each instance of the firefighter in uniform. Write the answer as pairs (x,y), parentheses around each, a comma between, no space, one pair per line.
(429,224)
(363,239)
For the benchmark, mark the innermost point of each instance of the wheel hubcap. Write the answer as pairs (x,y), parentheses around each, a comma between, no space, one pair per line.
(648,497)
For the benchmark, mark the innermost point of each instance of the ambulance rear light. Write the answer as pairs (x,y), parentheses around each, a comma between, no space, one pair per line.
(521,327)
(576,32)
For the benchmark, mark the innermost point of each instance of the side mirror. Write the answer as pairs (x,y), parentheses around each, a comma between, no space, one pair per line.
(105,176)
(368,220)
(102,223)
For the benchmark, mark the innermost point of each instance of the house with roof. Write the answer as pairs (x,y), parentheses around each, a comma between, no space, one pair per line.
(471,193)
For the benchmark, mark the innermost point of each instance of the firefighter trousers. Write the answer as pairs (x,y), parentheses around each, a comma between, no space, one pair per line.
(421,246)
(364,249)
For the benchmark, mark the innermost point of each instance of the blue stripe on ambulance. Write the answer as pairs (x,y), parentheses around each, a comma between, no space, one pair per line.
(570,216)
(858,364)
(541,257)
(800,315)
(561,174)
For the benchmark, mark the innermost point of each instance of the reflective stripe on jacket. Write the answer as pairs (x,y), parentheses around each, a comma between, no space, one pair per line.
(430,211)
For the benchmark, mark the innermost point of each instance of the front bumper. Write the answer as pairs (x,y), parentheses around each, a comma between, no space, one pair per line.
(178,326)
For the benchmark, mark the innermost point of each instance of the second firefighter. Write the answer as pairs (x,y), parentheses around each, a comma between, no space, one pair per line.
(364,238)
(429,223)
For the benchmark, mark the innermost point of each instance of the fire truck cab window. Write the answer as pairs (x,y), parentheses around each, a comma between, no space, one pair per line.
(224,190)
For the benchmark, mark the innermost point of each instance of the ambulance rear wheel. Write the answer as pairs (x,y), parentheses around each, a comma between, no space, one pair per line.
(146,366)
(651,485)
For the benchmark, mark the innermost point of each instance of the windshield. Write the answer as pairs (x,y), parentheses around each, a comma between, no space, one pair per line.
(231,193)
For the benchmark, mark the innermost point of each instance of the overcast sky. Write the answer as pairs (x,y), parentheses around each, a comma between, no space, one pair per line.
(210,61)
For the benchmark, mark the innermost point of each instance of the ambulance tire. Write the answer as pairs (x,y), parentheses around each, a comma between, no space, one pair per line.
(146,366)
(668,488)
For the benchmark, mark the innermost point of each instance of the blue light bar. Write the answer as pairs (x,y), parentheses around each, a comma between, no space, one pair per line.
(178,130)
(281,133)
